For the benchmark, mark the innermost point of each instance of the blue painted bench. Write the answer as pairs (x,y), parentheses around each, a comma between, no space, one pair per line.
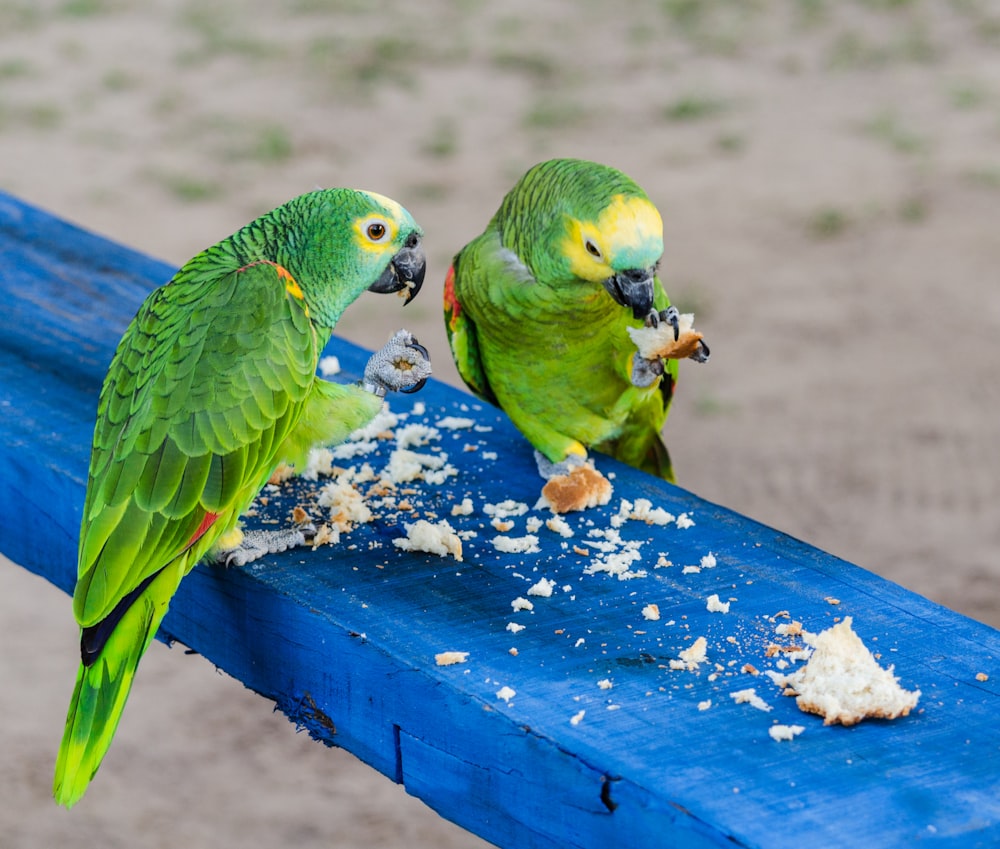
(565,726)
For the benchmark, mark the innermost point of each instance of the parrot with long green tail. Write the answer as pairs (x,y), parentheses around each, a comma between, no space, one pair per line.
(538,307)
(211,387)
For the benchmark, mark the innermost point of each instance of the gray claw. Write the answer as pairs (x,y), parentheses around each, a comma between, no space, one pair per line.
(701,353)
(413,343)
(669,315)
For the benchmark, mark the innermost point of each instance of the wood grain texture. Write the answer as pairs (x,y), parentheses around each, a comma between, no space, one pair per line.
(343,638)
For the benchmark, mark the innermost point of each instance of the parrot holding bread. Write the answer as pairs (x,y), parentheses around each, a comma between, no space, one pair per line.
(538,307)
(211,387)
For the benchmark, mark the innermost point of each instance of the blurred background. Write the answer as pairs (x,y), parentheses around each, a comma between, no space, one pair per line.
(829,178)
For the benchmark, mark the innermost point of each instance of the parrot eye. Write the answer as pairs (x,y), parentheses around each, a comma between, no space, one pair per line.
(592,248)
(376,229)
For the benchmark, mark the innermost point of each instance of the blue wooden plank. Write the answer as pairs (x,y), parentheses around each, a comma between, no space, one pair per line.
(343,638)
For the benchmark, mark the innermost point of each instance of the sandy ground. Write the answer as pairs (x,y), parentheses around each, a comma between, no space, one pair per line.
(829,176)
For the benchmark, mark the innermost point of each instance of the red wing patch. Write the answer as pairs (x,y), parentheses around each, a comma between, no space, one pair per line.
(452,308)
(206,523)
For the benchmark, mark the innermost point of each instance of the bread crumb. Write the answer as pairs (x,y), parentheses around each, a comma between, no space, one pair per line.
(982,676)
(516,545)
(831,600)
(641,511)
(346,505)
(463,509)
(708,561)
(692,656)
(785,732)
(448,658)
(842,681)
(577,717)
(582,488)
(505,509)
(512,651)
(439,538)
(506,693)
(514,628)
(455,423)
(714,605)
(792,629)
(378,428)
(705,705)
(605,684)
(520,603)
(325,535)
(684,521)
(749,697)
(543,588)
(502,525)
(329,366)
(558,525)
(282,473)
(405,465)
(651,612)
(416,435)
(583,552)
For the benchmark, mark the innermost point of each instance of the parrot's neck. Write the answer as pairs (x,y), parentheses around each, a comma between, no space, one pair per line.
(282,237)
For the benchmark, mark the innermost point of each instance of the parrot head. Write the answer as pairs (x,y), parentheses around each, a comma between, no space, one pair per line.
(348,241)
(569,220)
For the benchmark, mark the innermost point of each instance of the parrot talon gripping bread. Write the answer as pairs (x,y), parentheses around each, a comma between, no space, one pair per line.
(565,270)
(211,388)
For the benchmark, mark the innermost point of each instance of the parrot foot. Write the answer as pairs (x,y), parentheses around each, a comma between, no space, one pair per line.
(548,470)
(257,544)
(402,365)
(645,372)
(670,315)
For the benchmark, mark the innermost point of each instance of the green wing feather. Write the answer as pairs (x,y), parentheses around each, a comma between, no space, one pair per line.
(205,388)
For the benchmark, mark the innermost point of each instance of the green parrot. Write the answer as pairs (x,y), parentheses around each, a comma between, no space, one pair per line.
(211,387)
(537,310)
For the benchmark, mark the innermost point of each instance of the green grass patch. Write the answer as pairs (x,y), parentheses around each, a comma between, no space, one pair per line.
(442,143)
(693,107)
(84,8)
(188,187)
(12,69)
(828,222)
(889,129)
(968,95)
(550,113)
(118,79)
(272,144)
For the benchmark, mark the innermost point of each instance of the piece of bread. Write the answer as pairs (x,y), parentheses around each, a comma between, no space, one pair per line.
(658,343)
(582,488)
(842,681)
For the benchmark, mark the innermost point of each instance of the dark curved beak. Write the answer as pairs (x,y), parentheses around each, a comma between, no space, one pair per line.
(632,288)
(404,271)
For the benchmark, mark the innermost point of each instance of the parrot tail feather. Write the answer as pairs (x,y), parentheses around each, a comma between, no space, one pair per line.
(102,687)
(94,637)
